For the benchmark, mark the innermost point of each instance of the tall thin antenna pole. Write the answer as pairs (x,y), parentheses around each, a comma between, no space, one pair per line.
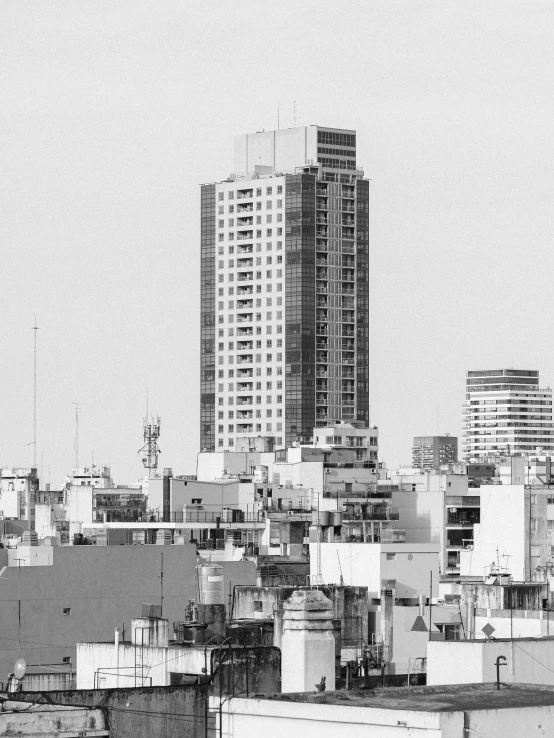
(278,126)
(162,587)
(76,449)
(294,113)
(35,329)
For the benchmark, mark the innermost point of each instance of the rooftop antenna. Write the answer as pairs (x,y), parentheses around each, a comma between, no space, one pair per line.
(278,125)
(76,444)
(35,329)
(294,113)
(150,449)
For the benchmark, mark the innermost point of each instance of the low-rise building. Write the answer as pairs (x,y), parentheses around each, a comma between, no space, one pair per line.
(434,712)
(430,452)
(524,661)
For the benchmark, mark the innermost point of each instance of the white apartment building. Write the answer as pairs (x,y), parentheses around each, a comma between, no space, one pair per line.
(506,412)
(285,307)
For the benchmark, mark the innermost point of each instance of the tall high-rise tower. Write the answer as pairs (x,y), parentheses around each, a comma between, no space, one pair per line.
(506,412)
(285,303)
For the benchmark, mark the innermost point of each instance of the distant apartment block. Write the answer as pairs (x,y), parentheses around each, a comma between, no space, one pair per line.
(284,294)
(429,452)
(506,412)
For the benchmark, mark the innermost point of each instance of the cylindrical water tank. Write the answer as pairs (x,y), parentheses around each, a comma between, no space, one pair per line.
(320,517)
(210,584)
(336,518)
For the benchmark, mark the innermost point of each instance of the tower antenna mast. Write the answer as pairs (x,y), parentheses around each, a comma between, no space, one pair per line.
(76,449)
(150,450)
(35,329)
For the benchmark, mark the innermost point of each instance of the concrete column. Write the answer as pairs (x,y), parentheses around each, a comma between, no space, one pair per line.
(470,616)
(308,644)
(387,611)
(277,628)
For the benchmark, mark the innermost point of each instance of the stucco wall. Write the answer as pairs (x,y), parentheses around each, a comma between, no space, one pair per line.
(367,565)
(103,586)
(503,524)
(529,661)
(172,712)
(275,719)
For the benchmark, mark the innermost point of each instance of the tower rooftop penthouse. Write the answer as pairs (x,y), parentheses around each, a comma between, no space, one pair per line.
(285,302)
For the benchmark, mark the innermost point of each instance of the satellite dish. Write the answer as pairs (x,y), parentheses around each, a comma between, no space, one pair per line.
(19,668)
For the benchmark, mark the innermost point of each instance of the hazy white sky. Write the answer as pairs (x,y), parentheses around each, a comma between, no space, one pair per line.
(113,113)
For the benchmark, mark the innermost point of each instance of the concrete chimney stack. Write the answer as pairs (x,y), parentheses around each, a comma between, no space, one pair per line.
(308,643)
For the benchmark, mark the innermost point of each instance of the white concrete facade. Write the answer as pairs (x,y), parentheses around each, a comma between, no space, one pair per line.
(514,532)
(404,567)
(528,661)
(413,713)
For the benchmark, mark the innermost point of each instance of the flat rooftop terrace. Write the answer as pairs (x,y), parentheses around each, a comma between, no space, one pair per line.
(457,698)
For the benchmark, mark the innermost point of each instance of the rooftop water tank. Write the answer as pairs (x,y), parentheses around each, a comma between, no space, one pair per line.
(210,584)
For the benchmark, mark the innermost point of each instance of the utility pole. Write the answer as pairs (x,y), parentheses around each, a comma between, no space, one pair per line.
(76,446)
(35,329)
(162,587)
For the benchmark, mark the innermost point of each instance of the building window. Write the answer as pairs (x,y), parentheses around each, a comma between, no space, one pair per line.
(259,192)
(279,189)
(66,611)
(221,195)
(221,224)
(231,196)
(220,442)
(258,606)
(258,219)
(269,233)
(231,428)
(279,231)
(269,191)
(66,659)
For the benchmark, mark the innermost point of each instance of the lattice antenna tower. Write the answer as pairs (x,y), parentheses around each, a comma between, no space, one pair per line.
(151,450)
